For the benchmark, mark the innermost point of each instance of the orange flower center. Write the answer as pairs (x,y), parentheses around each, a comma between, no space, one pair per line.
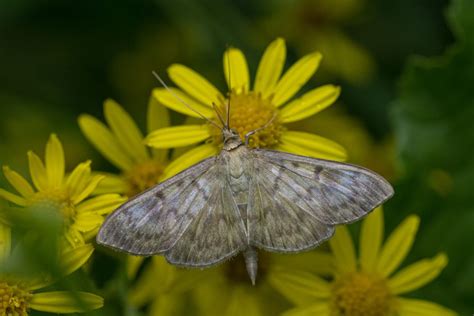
(360,294)
(249,112)
(13,300)
(143,176)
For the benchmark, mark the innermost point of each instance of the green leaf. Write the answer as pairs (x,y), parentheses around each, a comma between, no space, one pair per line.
(433,119)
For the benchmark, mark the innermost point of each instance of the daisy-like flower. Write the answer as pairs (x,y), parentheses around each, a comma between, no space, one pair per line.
(121,143)
(18,295)
(368,285)
(266,106)
(52,189)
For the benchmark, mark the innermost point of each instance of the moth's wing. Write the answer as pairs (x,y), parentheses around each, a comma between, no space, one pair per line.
(276,222)
(215,234)
(153,221)
(332,192)
(191,218)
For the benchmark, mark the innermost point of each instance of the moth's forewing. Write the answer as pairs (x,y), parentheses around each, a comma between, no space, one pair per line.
(151,222)
(191,219)
(295,201)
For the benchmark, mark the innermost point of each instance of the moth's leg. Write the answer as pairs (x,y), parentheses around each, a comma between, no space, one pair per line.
(247,136)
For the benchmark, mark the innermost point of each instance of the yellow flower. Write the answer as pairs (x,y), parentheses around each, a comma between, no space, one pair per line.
(53,190)
(266,106)
(121,143)
(18,295)
(367,286)
(223,290)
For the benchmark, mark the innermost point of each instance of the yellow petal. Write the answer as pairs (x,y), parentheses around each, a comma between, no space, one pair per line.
(5,241)
(37,171)
(182,103)
(90,187)
(73,259)
(243,302)
(65,302)
(237,76)
(371,237)
(417,275)
(195,85)
(101,204)
(317,262)
(54,160)
(176,152)
(157,117)
(188,159)
(74,237)
(317,308)
(414,307)
(178,136)
(133,264)
(85,222)
(104,141)
(343,250)
(298,286)
(306,144)
(147,288)
(112,183)
(16,199)
(310,103)
(295,78)
(18,182)
(270,67)
(36,283)
(166,304)
(127,134)
(78,179)
(397,246)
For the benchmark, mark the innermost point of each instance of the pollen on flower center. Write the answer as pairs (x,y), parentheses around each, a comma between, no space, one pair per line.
(13,300)
(360,294)
(249,112)
(143,176)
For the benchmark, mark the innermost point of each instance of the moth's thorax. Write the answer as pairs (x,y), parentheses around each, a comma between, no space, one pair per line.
(236,160)
(231,139)
(237,165)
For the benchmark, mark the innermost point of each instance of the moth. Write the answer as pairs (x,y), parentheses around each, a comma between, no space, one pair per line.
(240,201)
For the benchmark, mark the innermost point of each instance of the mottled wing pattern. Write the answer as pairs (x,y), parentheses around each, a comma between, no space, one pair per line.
(215,234)
(155,221)
(295,201)
(276,220)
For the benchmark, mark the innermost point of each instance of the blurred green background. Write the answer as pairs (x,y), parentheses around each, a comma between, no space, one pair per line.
(59,59)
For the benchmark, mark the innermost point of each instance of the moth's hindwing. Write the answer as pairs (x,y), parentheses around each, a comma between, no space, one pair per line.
(295,201)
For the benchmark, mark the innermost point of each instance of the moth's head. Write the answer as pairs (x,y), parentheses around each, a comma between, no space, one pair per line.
(231,138)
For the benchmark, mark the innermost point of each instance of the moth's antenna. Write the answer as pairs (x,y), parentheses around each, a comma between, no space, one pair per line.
(214,106)
(230,93)
(182,101)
